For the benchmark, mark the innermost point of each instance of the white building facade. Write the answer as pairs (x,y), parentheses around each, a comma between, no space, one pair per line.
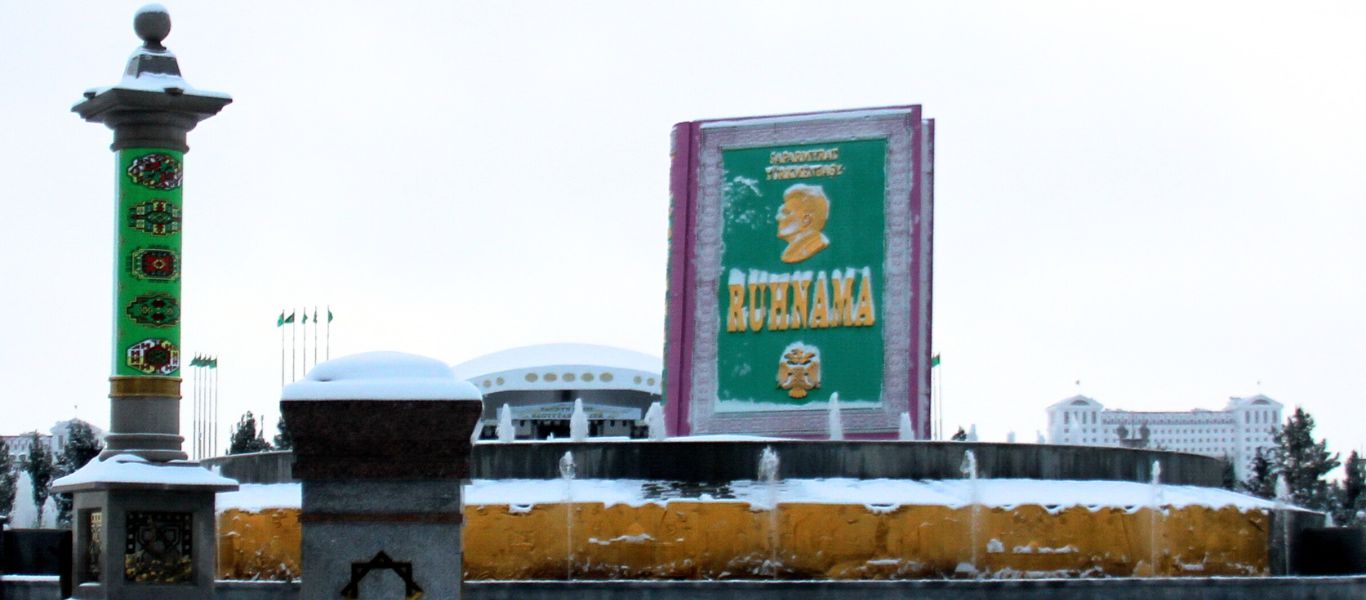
(1237,432)
(20,445)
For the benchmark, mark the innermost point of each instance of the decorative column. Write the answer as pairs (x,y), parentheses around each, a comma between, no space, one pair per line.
(382,444)
(144,517)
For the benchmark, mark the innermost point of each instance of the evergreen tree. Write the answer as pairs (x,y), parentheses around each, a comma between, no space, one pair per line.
(1261,482)
(960,436)
(82,446)
(1304,462)
(283,440)
(40,471)
(1230,475)
(9,480)
(246,438)
(1352,493)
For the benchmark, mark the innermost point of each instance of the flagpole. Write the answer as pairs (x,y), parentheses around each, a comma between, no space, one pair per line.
(329,332)
(281,326)
(194,418)
(293,343)
(303,352)
(315,335)
(199,407)
(213,435)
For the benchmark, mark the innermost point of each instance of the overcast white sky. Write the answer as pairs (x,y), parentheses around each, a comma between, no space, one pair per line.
(1163,200)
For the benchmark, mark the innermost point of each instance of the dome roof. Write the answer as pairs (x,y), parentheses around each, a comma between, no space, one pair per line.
(561,367)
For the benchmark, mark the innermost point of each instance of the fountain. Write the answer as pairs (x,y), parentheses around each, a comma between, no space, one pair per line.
(1284,499)
(768,474)
(836,424)
(969,470)
(654,420)
(578,422)
(904,431)
(567,474)
(506,431)
(1155,515)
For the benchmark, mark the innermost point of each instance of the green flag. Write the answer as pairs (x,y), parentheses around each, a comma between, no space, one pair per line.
(934,360)
(211,363)
(329,314)
(280,322)
(305,316)
(289,319)
(315,315)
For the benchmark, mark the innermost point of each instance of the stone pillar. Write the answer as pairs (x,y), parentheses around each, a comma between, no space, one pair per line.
(144,518)
(381,443)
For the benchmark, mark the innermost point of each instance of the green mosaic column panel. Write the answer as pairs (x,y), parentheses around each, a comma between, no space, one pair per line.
(147,274)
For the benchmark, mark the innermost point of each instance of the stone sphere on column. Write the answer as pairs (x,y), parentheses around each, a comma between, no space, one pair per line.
(152,23)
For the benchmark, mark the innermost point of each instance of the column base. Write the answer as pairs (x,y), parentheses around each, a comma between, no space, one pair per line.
(143,530)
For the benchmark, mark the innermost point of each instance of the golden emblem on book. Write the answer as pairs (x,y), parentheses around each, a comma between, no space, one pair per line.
(799,370)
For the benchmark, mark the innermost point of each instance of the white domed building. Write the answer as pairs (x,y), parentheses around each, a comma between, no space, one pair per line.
(540,383)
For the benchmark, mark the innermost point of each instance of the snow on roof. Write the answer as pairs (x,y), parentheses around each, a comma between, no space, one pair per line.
(1253,400)
(1077,400)
(563,366)
(124,469)
(381,376)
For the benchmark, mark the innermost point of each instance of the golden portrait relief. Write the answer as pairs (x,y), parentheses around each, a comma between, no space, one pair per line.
(800,221)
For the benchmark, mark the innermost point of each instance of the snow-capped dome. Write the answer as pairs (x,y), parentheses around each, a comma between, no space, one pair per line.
(381,376)
(563,366)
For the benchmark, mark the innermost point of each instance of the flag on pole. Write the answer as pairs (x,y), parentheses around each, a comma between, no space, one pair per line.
(289,319)
(329,314)
(305,316)
(280,322)
(934,360)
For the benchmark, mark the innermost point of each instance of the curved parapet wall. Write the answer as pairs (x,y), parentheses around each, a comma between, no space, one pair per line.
(702,460)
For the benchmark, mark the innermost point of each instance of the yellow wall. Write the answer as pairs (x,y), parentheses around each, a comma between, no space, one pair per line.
(717,540)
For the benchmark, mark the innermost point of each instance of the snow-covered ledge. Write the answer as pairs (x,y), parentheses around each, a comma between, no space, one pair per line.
(381,376)
(131,470)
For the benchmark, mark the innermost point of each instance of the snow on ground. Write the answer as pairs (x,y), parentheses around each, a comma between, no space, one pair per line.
(256,497)
(876,494)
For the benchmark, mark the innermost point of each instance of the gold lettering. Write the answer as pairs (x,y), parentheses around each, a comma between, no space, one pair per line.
(843,303)
(820,309)
(756,306)
(777,316)
(735,317)
(798,314)
(865,317)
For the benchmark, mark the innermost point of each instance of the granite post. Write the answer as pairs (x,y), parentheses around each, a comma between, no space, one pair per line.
(382,444)
(143,515)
